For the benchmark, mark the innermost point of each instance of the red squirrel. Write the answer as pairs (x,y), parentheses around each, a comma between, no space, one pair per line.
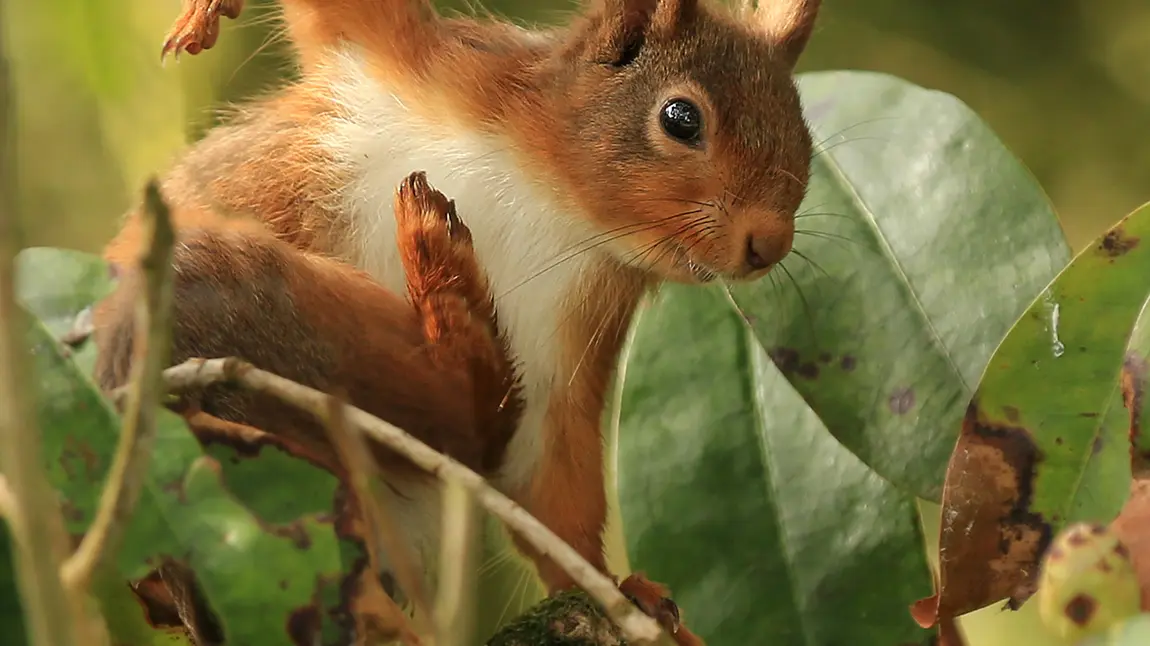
(647,140)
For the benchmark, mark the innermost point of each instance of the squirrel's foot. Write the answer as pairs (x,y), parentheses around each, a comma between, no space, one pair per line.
(652,599)
(431,235)
(198,26)
(450,293)
(435,246)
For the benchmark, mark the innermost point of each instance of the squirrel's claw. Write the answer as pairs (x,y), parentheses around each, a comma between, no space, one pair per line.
(652,599)
(198,26)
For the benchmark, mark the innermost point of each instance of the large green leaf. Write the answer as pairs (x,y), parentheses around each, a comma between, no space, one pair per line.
(1045,440)
(258,572)
(767,530)
(920,243)
(196,495)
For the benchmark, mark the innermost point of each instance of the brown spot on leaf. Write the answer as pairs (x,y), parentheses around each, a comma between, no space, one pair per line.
(77,456)
(72,513)
(825,357)
(1012,413)
(1088,415)
(303,625)
(790,363)
(294,532)
(1135,371)
(1076,539)
(848,363)
(1116,243)
(1081,608)
(991,539)
(1056,554)
(787,359)
(901,401)
(1058,441)
(1096,447)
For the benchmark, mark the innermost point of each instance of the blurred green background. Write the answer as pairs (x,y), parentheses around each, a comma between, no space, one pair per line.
(1063,82)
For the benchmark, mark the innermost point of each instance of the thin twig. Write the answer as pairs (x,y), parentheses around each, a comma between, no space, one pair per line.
(196,374)
(455,598)
(39,533)
(381,533)
(153,342)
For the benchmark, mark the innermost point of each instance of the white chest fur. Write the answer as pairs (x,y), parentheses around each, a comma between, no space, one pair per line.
(523,240)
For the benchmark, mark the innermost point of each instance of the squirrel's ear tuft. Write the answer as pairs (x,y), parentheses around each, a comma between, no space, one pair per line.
(787,23)
(627,23)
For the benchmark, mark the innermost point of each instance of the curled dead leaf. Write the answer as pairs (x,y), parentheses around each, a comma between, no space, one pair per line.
(991,540)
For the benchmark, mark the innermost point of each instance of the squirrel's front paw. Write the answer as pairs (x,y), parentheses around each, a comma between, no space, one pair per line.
(198,26)
(426,215)
(433,241)
(652,599)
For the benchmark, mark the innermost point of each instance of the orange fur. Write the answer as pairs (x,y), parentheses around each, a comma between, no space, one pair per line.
(436,366)
(577,110)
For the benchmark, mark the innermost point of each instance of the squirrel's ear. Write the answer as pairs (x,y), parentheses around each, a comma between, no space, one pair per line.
(627,23)
(787,23)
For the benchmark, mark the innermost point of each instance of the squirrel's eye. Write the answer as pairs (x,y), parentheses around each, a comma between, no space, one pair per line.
(681,120)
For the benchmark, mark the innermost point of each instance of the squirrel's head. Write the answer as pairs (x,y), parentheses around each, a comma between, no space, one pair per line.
(681,131)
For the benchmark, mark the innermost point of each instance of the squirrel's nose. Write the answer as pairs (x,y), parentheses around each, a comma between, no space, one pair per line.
(767,249)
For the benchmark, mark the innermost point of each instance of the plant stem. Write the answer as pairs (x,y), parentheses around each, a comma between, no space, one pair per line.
(152,349)
(381,534)
(455,601)
(39,531)
(196,374)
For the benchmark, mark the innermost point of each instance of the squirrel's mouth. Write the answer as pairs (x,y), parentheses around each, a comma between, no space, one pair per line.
(699,272)
(673,262)
(685,267)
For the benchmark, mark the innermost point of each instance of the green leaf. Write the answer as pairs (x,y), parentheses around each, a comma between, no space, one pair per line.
(1045,440)
(58,286)
(257,574)
(268,502)
(921,241)
(262,574)
(733,493)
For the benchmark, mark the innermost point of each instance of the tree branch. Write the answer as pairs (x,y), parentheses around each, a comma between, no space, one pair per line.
(196,374)
(153,342)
